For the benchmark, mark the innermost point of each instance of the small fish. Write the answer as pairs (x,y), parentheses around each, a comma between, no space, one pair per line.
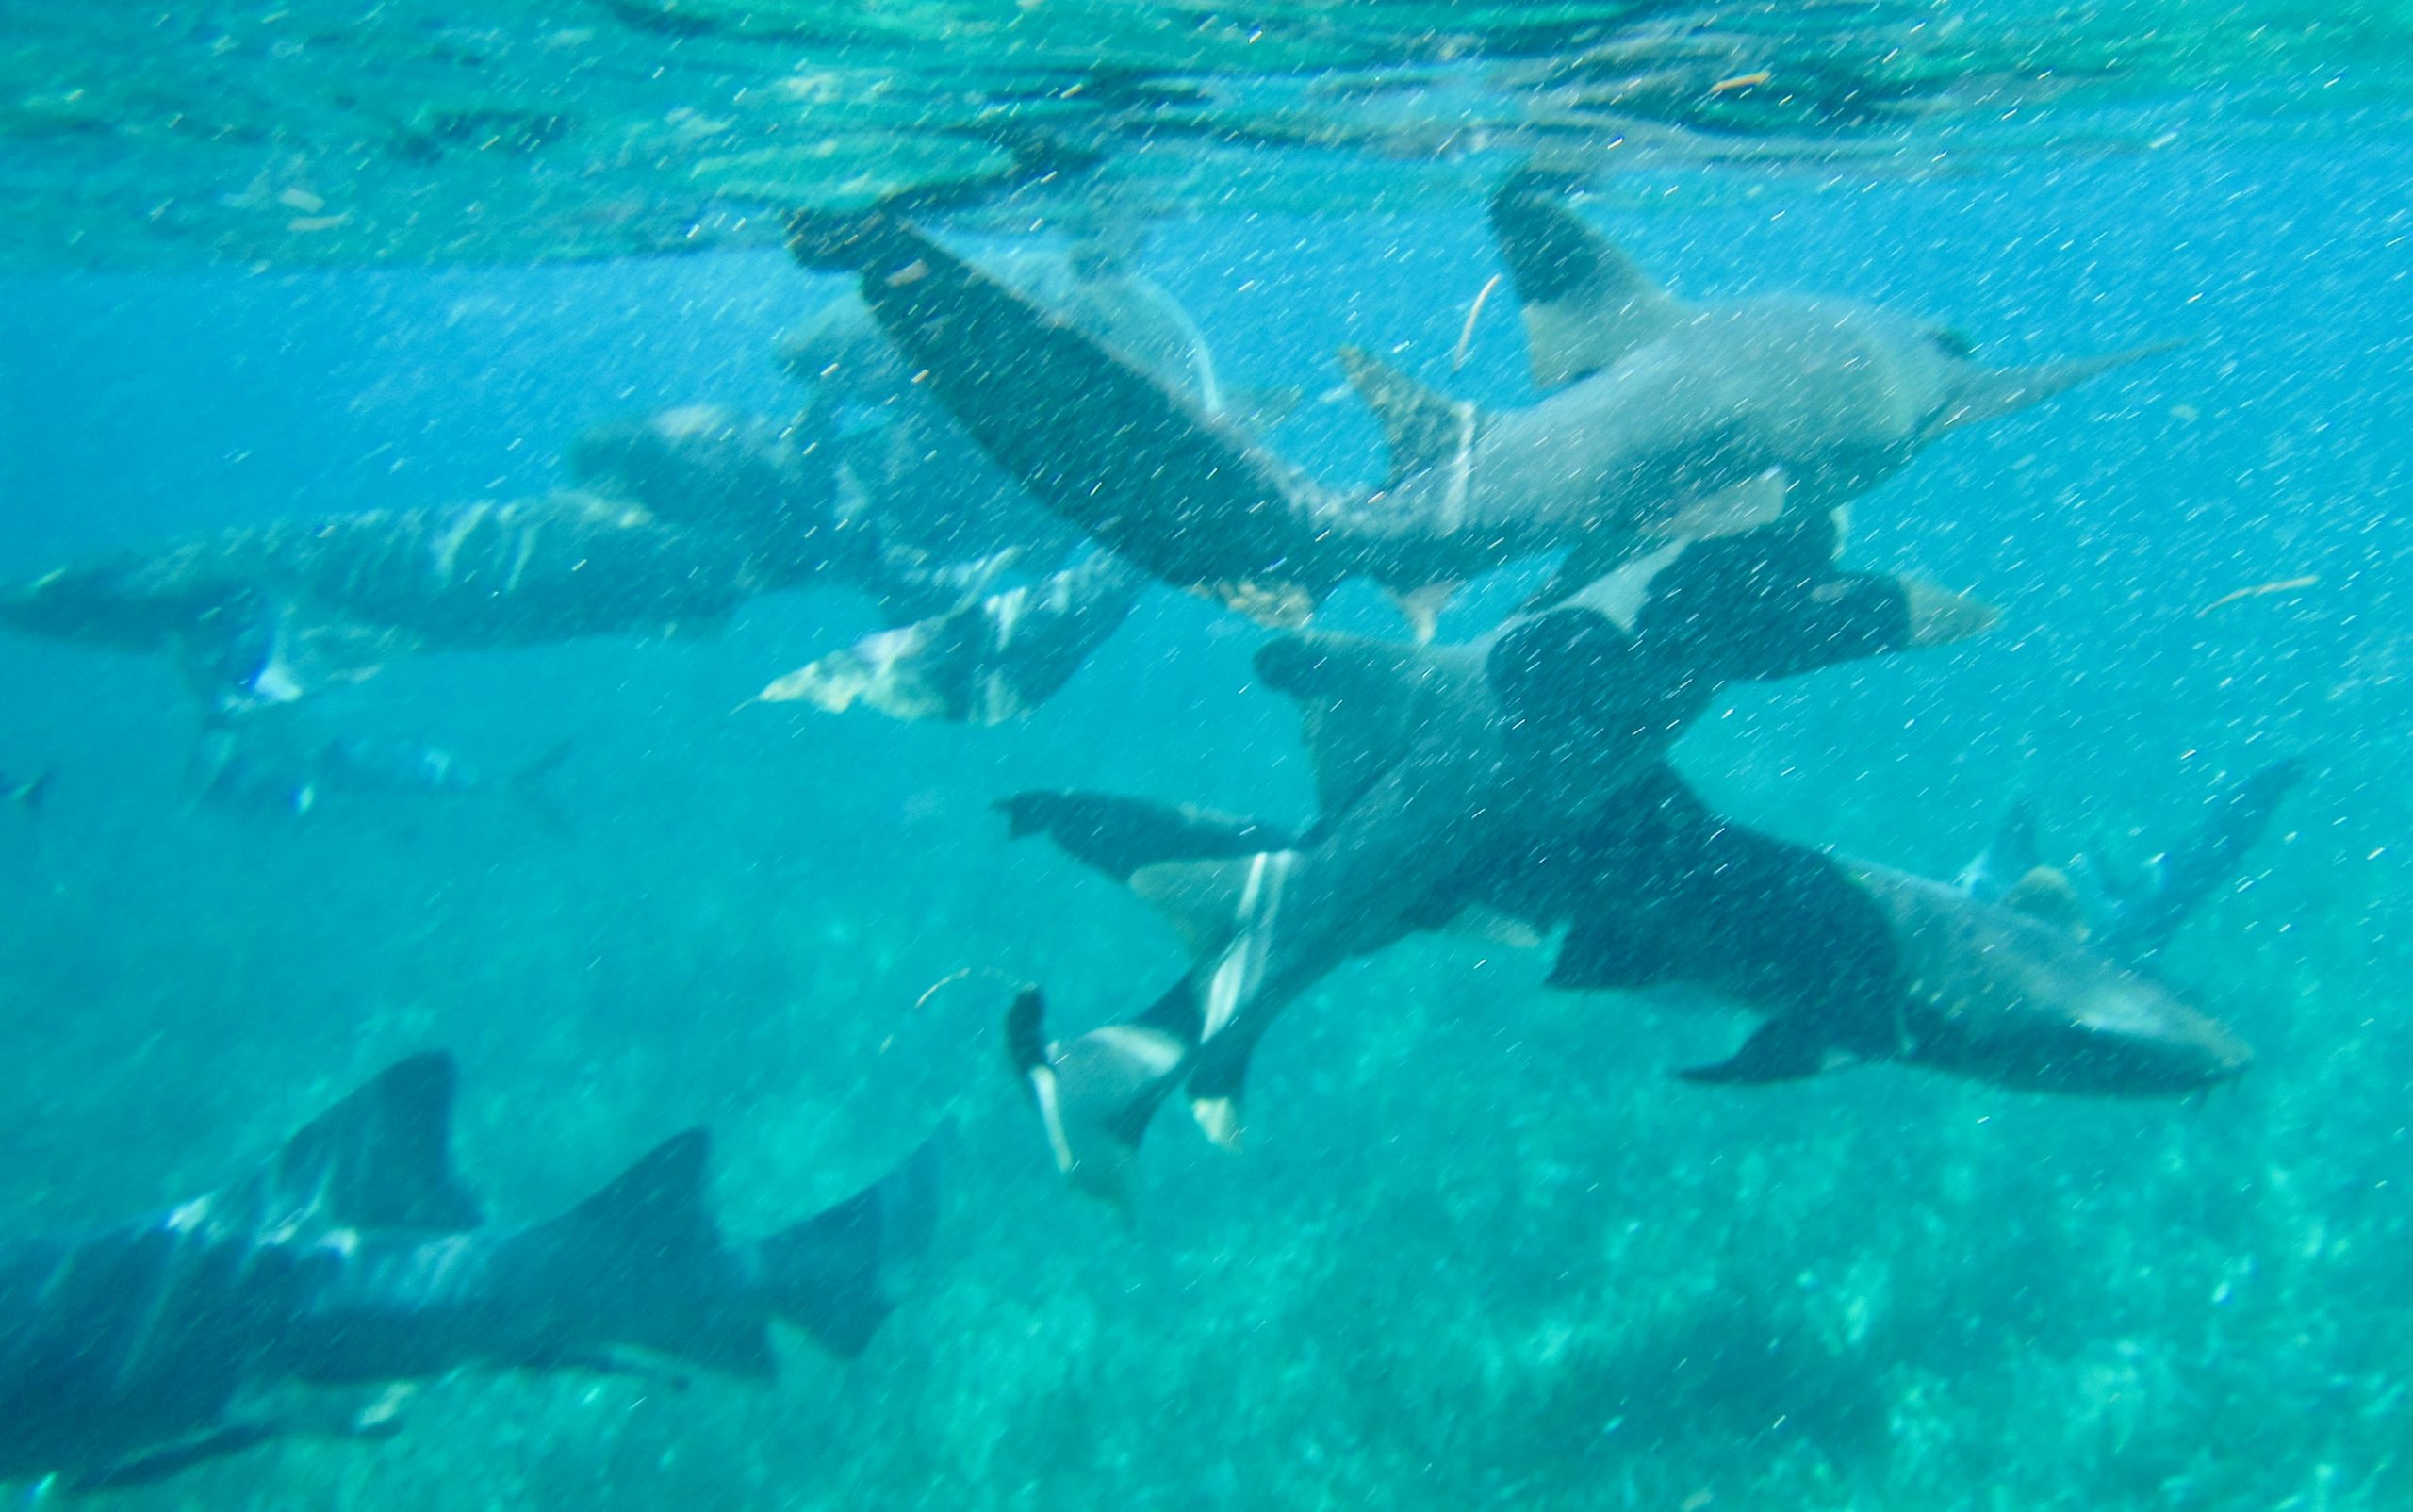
(29,792)
(2260,590)
(243,767)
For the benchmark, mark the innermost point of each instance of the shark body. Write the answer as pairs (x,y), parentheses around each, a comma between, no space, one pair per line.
(1664,419)
(355,1259)
(1844,960)
(263,613)
(1446,775)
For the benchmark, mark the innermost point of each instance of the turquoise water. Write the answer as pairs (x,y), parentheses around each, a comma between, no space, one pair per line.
(1483,1250)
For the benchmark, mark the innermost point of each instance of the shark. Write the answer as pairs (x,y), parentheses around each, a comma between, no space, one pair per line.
(262,763)
(941,506)
(1660,418)
(266,613)
(353,1261)
(1846,961)
(1441,771)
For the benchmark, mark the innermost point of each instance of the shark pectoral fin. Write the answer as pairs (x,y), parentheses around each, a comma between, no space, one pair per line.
(1421,607)
(1357,703)
(1585,303)
(1118,835)
(1425,428)
(146,1469)
(1096,1094)
(1754,503)
(381,1159)
(1981,393)
(1941,616)
(1789,1047)
(1206,902)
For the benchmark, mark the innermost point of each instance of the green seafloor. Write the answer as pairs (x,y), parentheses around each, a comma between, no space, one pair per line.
(1483,1251)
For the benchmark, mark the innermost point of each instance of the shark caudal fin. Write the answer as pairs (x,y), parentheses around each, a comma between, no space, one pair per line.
(1096,1094)
(1585,303)
(1981,393)
(1117,836)
(382,1158)
(839,1274)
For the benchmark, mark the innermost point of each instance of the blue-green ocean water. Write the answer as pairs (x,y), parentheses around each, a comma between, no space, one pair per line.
(1483,1251)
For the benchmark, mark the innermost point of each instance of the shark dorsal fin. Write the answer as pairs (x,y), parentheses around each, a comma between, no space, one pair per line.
(380,1159)
(1208,902)
(1426,429)
(658,1201)
(1585,303)
(1357,705)
(632,1258)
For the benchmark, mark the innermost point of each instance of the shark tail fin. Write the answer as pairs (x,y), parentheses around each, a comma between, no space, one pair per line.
(1096,1094)
(380,1159)
(1989,394)
(837,1274)
(1585,303)
(1425,428)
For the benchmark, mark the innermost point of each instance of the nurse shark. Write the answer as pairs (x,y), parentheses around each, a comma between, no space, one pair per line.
(1447,777)
(1664,420)
(266,613)
(299,1298)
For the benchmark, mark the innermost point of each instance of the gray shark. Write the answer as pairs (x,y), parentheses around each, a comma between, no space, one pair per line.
(263,614)
(1431,762)
(255,764)
(936,532)
(1847,961)
(355,1259)
(1667,419)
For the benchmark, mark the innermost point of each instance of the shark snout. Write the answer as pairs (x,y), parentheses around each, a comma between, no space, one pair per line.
(2150,1045)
